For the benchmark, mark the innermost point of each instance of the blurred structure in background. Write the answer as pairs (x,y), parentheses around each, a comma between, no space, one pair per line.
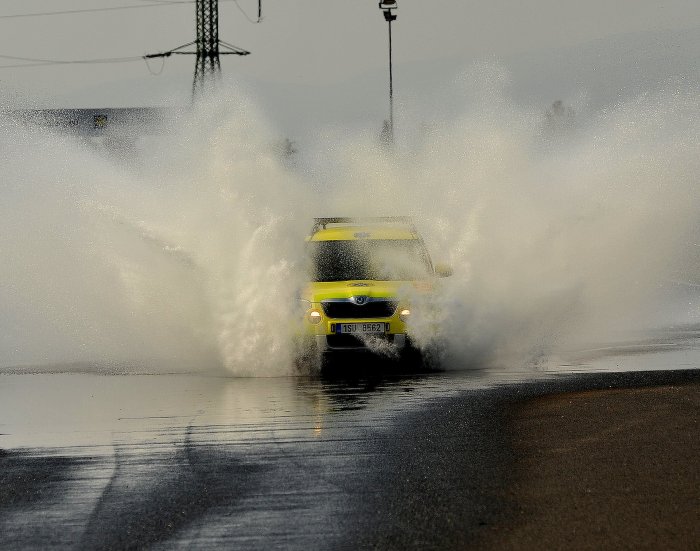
(208,47)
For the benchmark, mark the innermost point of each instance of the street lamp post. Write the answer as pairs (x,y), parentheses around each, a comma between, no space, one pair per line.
(387,6)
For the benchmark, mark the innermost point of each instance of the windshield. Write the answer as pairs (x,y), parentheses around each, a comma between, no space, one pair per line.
(375,259)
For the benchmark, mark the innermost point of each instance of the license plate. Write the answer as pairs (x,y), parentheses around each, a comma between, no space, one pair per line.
(361,328)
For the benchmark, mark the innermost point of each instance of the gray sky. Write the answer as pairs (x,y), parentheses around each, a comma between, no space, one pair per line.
(322,47)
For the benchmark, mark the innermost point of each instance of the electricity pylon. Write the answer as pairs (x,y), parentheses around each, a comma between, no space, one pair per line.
(208,48)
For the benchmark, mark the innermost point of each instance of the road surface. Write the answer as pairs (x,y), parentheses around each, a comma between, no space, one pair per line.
(374,460)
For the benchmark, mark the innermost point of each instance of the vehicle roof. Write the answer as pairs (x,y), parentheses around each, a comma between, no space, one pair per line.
(354,232)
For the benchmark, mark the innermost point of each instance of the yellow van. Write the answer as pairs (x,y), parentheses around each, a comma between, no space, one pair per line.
(364,273)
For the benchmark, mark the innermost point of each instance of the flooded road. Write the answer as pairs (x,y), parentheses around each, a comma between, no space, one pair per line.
(122,461)
(114,461)
(364,456)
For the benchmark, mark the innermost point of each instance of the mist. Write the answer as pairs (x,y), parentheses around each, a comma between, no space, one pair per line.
(187,257)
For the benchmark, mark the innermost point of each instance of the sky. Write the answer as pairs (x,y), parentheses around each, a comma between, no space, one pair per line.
(311,55)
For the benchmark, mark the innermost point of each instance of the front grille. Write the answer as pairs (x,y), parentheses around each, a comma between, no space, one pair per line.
(351,341)
(347,309)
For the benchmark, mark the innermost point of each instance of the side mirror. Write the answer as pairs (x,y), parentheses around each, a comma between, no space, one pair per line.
(443,270)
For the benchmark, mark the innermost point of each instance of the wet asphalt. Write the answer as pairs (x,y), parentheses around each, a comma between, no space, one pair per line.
(377,460)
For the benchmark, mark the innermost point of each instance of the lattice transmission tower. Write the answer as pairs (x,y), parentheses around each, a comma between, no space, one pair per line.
(208,64)
(208,47)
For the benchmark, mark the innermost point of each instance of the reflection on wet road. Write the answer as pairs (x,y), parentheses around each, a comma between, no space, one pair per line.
(84,413)
(119,461)
(122,461)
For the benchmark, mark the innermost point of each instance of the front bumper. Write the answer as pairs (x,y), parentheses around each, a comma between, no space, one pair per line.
(332,343)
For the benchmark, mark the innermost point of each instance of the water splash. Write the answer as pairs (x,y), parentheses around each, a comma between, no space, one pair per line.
(189,259)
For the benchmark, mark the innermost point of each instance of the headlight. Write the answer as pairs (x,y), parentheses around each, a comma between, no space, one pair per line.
(404,314)
(314,317)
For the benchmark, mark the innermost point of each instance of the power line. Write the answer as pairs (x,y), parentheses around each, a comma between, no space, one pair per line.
(95,10)
(38,62)
(245,14)
(64,61)
(207,54)
(151,4)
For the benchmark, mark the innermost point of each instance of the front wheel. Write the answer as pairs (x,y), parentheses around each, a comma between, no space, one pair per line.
(424,359)
(308,359)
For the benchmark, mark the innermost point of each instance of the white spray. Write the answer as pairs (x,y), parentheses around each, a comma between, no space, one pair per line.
(190,260)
